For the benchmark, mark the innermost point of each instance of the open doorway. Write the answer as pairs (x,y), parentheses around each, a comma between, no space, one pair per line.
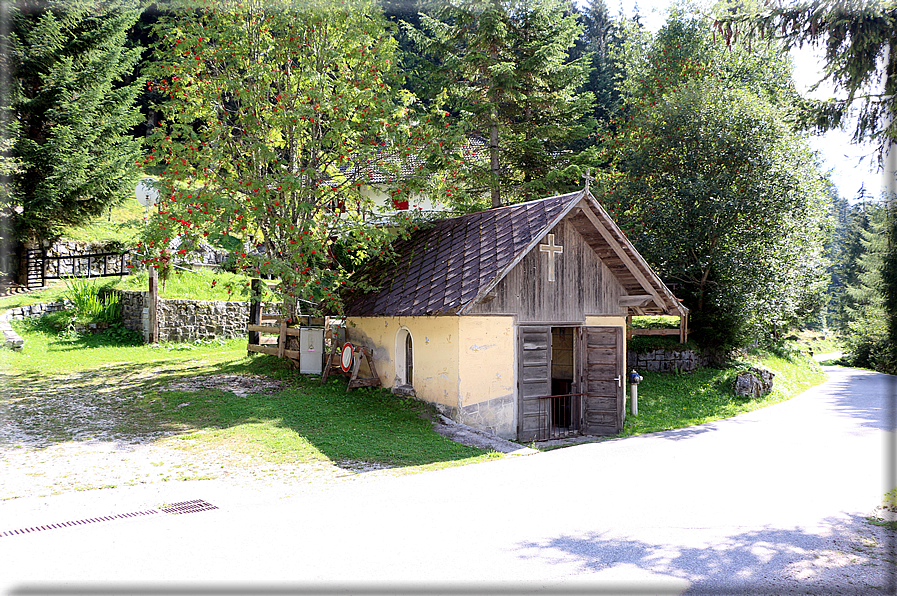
(563,416)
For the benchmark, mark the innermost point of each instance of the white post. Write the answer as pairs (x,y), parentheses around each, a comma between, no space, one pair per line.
(633,388)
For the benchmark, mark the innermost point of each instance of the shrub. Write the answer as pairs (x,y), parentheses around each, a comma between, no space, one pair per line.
(90,304)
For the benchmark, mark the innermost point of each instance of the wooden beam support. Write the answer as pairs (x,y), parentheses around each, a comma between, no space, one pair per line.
(627,301)
(618,250)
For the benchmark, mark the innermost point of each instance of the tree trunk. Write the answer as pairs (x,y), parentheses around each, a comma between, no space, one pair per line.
(493,156)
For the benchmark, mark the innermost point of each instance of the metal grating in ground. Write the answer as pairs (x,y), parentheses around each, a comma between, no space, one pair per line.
(173,508)
(79,522)
(187,507)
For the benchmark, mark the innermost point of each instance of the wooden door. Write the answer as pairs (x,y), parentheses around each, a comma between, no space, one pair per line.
(602,380)
(534,377)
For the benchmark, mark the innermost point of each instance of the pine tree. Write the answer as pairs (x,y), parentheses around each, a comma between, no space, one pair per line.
(864,304)
(508,74)
(73,111)
(601,35)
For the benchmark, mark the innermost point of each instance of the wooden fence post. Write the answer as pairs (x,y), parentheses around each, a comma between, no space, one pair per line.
(255,309)
(153,305)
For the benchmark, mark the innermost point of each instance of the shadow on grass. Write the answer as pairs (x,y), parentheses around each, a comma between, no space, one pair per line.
(773,561)
(298,420)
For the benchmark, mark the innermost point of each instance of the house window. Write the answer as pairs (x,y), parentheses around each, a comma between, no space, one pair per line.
(404,358)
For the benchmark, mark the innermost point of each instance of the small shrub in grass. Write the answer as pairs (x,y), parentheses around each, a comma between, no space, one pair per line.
(90,304)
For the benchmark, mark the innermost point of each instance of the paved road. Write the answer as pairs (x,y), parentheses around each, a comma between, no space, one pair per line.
(770,502)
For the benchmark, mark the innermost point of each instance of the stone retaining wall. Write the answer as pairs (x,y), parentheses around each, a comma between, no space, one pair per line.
(667,360)
(11,339)
(185,320)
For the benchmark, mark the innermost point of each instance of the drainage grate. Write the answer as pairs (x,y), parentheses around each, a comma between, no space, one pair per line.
(80,522)
(173,508)
(187,507)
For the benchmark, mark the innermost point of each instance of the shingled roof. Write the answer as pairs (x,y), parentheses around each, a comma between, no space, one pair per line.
(447,267)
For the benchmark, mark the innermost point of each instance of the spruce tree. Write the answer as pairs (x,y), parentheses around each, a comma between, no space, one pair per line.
(74,111)
(508,73)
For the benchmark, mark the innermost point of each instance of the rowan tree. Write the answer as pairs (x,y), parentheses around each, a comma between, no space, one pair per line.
(279,116)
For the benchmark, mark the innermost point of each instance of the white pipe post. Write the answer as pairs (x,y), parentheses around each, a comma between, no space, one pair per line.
(633,389)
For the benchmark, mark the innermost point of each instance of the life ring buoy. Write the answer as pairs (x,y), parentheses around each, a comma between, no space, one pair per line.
(346,358)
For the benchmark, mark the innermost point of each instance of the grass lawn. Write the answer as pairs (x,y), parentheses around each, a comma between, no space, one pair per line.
(67,388)
(212,400)
(667,400)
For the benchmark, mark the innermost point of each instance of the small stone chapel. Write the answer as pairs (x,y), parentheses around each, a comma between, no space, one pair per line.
(512,320)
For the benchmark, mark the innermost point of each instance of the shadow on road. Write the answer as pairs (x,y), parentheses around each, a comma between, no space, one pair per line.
(856,558)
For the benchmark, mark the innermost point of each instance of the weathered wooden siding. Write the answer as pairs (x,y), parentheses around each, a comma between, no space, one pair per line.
(604,400)
(584,285)
(534,381)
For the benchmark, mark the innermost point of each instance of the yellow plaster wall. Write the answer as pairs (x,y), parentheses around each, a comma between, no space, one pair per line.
(435,342)
(605,321)
(487,357)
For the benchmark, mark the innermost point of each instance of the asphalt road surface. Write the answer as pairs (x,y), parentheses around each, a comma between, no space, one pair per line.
(770,502)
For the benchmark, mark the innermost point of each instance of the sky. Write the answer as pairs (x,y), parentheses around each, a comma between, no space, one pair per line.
(844,161)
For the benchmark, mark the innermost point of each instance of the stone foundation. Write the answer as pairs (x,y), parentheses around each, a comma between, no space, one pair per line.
(667,360)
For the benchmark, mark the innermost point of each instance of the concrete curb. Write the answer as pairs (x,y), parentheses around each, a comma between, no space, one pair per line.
(466,435)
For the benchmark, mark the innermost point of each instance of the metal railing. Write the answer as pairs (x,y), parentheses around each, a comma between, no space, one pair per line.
(560,416)
(41,267)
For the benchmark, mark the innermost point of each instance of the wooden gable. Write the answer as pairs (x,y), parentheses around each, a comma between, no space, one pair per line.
(583,285)
(491,262)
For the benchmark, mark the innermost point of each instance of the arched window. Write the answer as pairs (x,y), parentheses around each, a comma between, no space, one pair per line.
(404,358)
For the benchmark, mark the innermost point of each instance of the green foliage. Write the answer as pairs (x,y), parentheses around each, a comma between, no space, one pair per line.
(655,322)
(858,36)
(642,344)
(90,304)
(73,110)
(278,116)
(715,189)
(865,319)
(507,72)
(668,401)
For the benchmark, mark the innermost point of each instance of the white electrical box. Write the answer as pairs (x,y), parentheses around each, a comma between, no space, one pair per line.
(311,351)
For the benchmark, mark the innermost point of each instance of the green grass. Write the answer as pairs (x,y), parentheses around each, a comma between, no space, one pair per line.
(668,401)
(202,284)
(655,322)
(54,292)
(820,342)
(122,224)
(55,377)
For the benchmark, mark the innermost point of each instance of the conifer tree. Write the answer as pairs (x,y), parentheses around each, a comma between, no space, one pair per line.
(72,110)
(507,72)
(864,306)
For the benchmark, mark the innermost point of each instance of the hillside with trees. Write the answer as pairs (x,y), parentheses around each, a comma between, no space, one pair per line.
(269,122)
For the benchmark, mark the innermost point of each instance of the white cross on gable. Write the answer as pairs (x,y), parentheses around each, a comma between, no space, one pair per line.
(588,177)
(552,249)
